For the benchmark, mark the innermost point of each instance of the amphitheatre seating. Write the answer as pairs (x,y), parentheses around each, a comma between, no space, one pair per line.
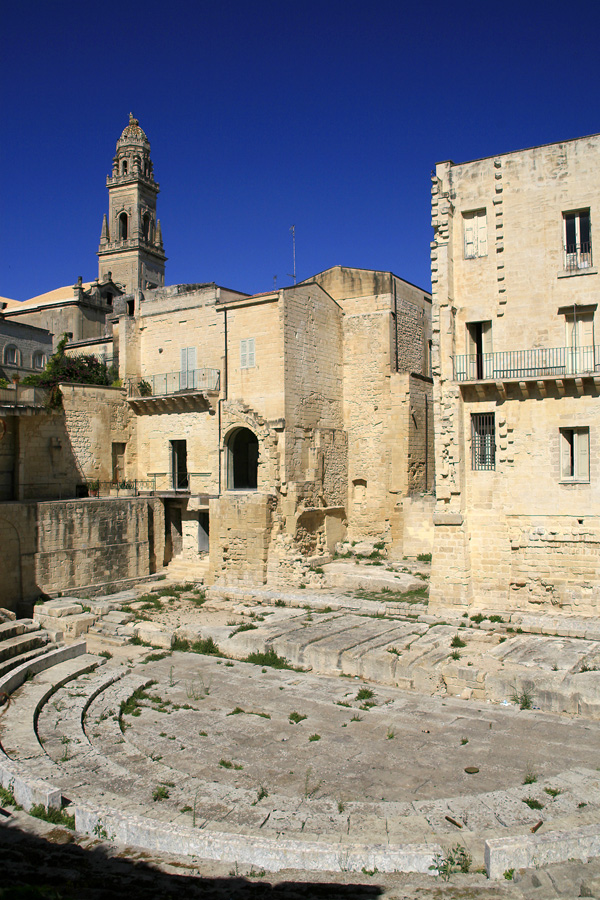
(64,741)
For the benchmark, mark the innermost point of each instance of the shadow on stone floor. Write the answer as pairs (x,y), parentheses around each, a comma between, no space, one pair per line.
(56,868)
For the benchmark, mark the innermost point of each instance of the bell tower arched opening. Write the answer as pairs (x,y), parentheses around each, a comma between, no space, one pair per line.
(242,460)
(123,227)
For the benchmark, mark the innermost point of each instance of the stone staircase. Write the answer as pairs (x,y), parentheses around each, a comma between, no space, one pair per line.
(182,570)
(23,640)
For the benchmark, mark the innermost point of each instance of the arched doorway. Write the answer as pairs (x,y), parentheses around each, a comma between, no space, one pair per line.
(242,460)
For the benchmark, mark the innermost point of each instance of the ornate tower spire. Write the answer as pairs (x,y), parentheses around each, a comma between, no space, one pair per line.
(131,242)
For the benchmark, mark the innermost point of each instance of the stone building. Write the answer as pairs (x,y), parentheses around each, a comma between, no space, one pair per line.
(82,311)
(275,424)
(262,429)
(516,377)
(24,349)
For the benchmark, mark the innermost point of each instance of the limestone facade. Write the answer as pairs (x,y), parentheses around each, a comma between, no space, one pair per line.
(516,376)
(278,422)
(269,426)
(82,310)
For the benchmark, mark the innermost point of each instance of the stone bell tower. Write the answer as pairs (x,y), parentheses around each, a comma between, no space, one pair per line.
(131,246)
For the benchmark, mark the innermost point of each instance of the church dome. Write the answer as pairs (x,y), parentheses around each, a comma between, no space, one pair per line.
(132,133)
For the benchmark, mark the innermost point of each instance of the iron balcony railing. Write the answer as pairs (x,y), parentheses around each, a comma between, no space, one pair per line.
(556,361)
(578,256)
(174,383)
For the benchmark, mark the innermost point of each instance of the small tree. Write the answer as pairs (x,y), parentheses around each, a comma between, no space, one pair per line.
(81,369)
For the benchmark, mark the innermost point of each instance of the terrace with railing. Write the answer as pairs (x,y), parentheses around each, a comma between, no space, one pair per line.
(22,397)
(555,362)
(182,390)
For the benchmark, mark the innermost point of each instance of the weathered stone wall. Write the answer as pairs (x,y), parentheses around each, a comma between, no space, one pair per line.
(200,431)
(18,533)
(95,417)
(241,525)
(516,535)
(46,465)
(58,546)
(412,526)
(260,386)
(315,446)
(91,541)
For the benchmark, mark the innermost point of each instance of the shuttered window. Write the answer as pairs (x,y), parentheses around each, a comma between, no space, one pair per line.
(247,358)
(188,367)
(475,228)
(575,454)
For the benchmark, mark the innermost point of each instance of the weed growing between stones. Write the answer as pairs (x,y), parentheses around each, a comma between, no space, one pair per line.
(295,718)
(387,595)
(552,792)
(160,792)
(54,816)
(530,777)
(452,860)
(424,557)
(464,741)
(315,737)
(310,789)
(533,803)
(105,654)
(455,654)
(457,641)
(524,698)
(247,626)
(391,734)
(270,658)
(8,798)
(279,602)
(509,874)
(154,657)
(228,764)
(261,794)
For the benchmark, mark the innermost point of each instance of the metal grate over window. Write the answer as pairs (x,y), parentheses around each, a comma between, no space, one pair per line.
(483,441)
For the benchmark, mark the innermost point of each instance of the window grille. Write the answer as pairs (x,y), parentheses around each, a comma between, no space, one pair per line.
(483,441)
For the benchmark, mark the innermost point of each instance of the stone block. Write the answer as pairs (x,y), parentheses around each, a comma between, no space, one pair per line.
(56,609)
(155,635)
(524,851)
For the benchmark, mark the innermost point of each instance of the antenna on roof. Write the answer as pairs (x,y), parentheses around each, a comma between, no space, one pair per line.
(293,231)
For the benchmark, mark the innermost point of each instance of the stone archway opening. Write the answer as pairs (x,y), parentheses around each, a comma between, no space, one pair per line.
(242,460)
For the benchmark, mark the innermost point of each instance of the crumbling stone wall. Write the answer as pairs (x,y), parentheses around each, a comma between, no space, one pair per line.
(95,416)
(241,523)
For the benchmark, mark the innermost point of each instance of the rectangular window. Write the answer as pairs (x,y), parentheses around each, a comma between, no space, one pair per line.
(480,357)
(475,227)
(575,454)
(187,378)
(247,359)
(179,471)
(577,236)
(483,441)
(579,342)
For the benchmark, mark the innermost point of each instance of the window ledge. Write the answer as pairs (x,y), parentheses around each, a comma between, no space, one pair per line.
(591,270)
(574,481)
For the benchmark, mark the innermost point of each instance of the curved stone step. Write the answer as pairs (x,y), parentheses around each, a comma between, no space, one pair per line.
(19,644)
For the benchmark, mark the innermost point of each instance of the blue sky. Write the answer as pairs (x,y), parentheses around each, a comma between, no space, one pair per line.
(329,116)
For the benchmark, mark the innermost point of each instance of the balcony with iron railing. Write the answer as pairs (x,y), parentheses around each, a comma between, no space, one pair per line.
(557,362)
(578,256)
(187,390)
